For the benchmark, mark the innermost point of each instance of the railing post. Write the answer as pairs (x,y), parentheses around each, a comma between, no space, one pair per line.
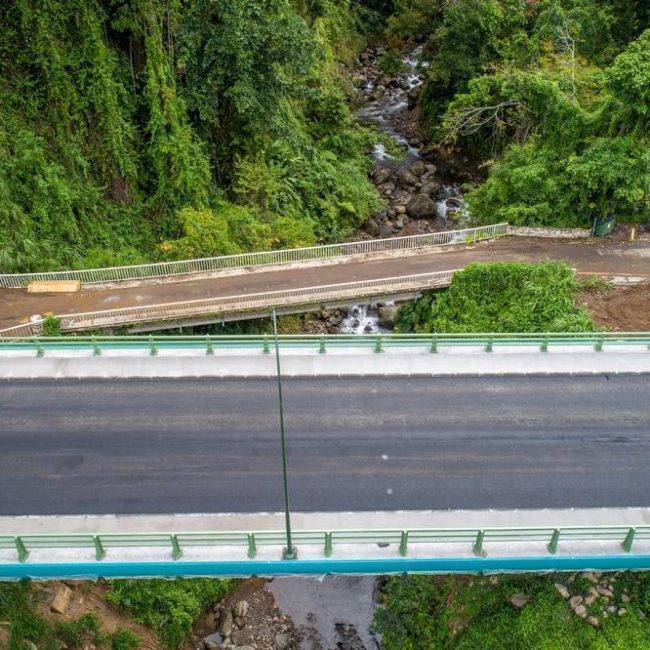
(626,544)
(23,553)
(552,545)
(265,346)
(208,346)
(100,553)
(403,543)
(252,547)
(544,345)
(328,544)
(434,344)
(97,351)
(153,350)
(488,345)
(599,344)
(321,347)
(40,350)
(177,553)
(378,347)
(478,544)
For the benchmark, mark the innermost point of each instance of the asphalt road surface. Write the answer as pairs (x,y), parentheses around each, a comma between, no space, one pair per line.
(206,445)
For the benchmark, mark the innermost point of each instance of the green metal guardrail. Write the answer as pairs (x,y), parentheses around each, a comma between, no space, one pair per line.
(377,342)
(400,540)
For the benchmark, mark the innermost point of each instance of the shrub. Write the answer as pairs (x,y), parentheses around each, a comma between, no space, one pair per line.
(169,607)
(500,297)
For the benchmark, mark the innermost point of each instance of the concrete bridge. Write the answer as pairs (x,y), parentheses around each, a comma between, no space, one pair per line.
(429,453)
(156,296)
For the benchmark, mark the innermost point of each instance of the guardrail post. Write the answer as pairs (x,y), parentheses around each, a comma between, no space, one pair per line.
(598,347)
(403,543)
(552,545)
(488,345)
(378,347)
(209,349)
(478,544)
(321,347)
(328,544)
(100,553)
(23,553)
(252,547)
(153,350)
(265,347)
(544,345)
(97,351)
(626,544)
(40,350)
(434,344)
(177,553)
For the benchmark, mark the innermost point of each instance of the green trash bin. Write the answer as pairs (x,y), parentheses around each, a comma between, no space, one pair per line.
(604,226)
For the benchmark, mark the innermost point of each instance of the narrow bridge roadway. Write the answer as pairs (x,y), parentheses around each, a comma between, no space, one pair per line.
(632,259)
(198,445)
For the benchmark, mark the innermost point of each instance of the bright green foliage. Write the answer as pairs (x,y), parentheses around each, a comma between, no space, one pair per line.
(552,96)
(537,186)
(117,118)
(500,297)
(169,607)
(52,326)
(628,80)
(430,613)
(124,640)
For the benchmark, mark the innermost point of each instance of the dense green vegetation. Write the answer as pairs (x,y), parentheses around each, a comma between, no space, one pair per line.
(165,128)
(168,607)
(551,96)
(500,297)
(18,612)
(426,613)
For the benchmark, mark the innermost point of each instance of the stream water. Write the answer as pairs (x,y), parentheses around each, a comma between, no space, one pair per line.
(386,107)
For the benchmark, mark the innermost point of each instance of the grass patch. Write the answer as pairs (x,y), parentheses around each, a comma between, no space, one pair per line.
(501,297)
(168,607)
(426,612)
(18,608)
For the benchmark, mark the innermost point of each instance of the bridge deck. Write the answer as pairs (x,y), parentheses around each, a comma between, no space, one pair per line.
(632,259)
(203,445)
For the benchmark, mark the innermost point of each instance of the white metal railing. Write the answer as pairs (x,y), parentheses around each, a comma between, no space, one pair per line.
(239,303)
(263,258)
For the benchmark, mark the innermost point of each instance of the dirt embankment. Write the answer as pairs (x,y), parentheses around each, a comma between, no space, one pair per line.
(620,309)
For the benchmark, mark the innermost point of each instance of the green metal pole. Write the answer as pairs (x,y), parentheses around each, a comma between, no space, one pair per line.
(289,552)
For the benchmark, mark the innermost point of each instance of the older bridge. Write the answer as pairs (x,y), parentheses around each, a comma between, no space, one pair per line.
(155,296)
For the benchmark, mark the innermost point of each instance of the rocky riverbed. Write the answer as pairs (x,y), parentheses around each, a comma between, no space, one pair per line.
(421,185)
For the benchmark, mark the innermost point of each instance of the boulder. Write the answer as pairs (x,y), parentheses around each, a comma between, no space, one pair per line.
(421,207)
(387,315)
(382,174)
(562,590)
(581,611)
(575,601)
(518,600)
(431,188)
(212,642)
(61,600)
(592,620)
(413,96)
(400,209)
(371,227)
(406,178)
(225,622)
(418,168)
